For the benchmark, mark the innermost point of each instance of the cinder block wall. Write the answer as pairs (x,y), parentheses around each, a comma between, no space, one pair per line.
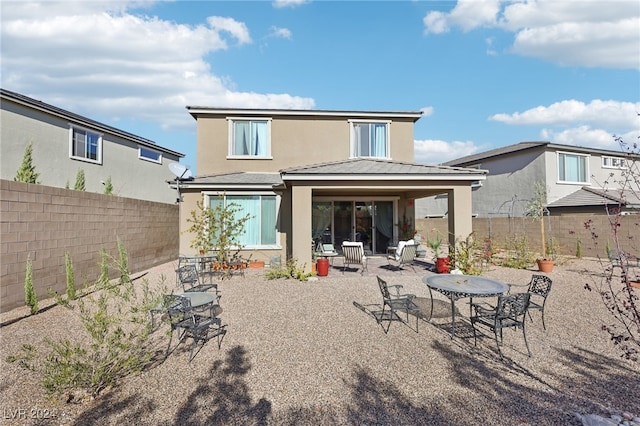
(43,222)
(565,229)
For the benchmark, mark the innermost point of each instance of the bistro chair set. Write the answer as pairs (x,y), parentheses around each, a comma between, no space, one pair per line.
(194,313)
(509,312)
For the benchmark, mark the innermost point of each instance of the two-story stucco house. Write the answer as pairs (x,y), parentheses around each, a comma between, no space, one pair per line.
(578,179)
(305,175)
(64,142)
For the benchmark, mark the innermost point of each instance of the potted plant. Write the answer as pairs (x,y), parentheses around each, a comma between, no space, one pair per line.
(442,262)
(536,209)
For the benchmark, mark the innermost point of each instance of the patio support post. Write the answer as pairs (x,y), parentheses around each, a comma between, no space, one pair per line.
(460,214)
(301,225)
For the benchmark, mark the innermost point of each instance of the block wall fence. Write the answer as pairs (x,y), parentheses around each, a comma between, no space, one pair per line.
(565,229)
(43,222)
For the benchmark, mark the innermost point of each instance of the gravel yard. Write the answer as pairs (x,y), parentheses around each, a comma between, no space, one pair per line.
(304,353)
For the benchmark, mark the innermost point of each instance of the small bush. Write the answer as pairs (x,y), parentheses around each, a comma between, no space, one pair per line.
(71,286)
(290,270)
(30,297)
(116,344)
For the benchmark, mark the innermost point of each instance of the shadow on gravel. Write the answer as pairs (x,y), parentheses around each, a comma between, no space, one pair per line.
(224,398)
(592,384)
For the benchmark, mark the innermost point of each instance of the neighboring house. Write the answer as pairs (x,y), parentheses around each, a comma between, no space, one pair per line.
(579,180)
(64,142)
(310,175)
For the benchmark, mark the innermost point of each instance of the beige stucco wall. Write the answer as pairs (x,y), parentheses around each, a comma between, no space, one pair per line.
(43,222)
(295,141)
(131,177)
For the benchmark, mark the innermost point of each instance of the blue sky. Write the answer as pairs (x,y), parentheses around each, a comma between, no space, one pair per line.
(486,73)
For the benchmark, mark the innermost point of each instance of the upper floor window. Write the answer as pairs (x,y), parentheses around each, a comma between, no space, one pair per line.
(85,145)
(370,139)
(249,138)
(572,168)
(149,154)
(613,163)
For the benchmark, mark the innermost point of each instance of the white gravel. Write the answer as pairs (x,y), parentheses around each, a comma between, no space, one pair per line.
(303,353)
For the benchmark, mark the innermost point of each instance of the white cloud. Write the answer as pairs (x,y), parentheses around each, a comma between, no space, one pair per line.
(582,33)
(278,4)
(467,14)
(588,137)
(237,29)
(280,32)
(622,116)
(134,66)
(431,151)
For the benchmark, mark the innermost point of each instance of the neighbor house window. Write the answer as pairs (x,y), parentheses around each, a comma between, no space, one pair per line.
(572,168)
(260,229)
(85,145)
(613,163)
(370,139)
(148,154)
(250,138)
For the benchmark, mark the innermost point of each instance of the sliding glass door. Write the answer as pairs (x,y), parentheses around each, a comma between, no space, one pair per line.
(370,222)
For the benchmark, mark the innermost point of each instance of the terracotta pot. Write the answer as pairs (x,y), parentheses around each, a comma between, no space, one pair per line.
(545,265)
(634,284)
(443,265)
(255,264)
(313,267)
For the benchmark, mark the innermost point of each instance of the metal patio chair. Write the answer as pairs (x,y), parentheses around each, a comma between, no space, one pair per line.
(396,303)
(190,279)
(510,312)
(200,326)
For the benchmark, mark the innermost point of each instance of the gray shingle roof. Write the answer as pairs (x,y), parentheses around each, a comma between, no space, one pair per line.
(522,146)
(587,196)
(367,166)
(239,178)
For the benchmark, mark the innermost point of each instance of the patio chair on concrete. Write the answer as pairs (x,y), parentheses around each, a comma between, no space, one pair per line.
(200,326)
(510,312)
(404,255)
(396,303)
(353,253)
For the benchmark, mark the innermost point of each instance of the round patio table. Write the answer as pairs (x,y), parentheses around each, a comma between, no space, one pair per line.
(456,287)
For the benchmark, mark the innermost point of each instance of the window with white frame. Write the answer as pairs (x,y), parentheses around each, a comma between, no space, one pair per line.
(85,145)
(370,139)
(613,162)
(249,137)
(260,230)
(149,154)
(573,168)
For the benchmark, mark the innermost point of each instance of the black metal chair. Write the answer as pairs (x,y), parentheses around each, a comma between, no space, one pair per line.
(539,288)
(200,326)
(510,312)
(406,256)
(396,302)
(190,279)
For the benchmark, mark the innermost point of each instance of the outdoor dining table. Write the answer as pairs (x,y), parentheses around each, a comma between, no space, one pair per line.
(456,286)
(199,298)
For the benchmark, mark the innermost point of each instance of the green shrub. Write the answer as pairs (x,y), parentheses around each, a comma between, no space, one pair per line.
(71,286)
(289,270)
(116,342)
(27,171)
(30,297)
(517,254)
